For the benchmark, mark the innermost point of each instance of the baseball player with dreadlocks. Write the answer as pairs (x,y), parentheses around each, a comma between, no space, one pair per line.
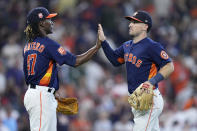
(41,54)
(147,63)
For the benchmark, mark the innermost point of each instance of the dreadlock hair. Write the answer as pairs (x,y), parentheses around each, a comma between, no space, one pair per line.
(31,32)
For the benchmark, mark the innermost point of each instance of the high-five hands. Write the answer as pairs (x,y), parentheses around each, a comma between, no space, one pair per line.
(101,36)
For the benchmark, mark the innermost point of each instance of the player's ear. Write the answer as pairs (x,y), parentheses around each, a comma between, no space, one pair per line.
(145,27)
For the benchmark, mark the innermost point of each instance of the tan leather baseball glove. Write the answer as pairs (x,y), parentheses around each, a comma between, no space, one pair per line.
(67,106)
(142,98)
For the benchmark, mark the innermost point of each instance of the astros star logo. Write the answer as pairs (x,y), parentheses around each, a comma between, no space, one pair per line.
(164,55)
(40,15)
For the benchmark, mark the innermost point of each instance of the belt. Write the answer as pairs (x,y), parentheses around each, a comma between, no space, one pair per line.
(50,90)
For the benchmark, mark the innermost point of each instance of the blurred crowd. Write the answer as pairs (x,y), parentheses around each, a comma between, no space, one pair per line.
(101,88)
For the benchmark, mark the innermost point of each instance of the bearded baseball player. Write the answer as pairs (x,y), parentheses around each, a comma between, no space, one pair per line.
(147,63)
(41,54)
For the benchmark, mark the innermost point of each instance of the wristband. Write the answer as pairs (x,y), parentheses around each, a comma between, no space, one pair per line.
(156,79)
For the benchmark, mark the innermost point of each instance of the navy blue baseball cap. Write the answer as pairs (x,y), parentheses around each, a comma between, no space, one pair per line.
(38,14)
(141,17)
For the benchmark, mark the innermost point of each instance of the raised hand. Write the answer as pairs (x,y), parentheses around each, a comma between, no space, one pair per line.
(101,36)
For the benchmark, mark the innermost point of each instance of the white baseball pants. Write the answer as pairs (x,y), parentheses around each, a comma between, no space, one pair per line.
(41,107)
(149,120)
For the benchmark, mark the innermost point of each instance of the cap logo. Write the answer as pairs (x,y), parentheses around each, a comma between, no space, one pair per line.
(40,15)
(146,20)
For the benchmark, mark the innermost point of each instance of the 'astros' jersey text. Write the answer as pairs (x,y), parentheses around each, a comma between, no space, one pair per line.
(40,59)
(143,60)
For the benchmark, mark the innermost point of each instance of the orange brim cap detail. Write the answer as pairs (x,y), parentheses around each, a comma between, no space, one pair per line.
(51,15)
(133,18)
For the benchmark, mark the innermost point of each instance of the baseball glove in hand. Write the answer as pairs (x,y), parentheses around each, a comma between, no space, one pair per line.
(67,106)
(142,98)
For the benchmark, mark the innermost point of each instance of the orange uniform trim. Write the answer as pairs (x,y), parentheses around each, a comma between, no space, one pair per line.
(120,60)
(153,71)
(40,110)
(47,77)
